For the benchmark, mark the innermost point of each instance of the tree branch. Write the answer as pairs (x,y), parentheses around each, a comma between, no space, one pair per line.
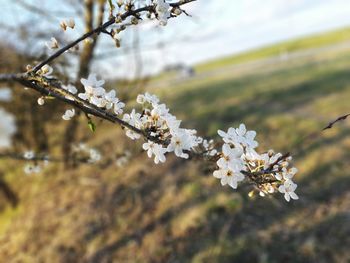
(99,29)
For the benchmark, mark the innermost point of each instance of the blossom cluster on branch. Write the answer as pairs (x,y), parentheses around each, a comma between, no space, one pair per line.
(236,160)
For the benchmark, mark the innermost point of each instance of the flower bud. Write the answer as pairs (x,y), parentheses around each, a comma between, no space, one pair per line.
(177,11)
(63,25)
(71,23)
(41,101)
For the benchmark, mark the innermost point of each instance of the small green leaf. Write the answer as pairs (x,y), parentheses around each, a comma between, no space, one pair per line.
(92,126)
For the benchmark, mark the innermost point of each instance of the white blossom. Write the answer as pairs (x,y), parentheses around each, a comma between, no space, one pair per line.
(180,142)
(134,119)
(70,88)
(118,107)
(231,157)
(227,176)
(95,156)
(93,89)
(97,95)
(46,71)
(288,174)
(163,11)
(288,189)
(109,100)
(41,101)
(29,155)
(155,149)
(53,44)
(240,137)
(69,114)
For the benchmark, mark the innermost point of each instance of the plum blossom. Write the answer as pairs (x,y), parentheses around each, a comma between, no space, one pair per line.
(92,81)
(134,119)
(118,107)
(288,189)
(93,90)
(288,174)
(163,11)
(70,88)
(29,155)
(180,142)
(95,156)
(53,44)
(97,95)
(155,149)
(230,166)
(231,157)
(240,137)
(69,114)
(46,71)
(268,171)
(227,176)
(41,101)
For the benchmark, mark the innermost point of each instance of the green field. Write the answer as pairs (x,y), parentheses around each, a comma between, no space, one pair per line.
(178,212)
(300,44)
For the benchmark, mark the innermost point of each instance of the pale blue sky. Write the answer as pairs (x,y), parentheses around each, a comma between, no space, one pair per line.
(217,28)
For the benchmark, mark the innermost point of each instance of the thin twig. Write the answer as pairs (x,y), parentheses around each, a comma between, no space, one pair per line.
(332,123)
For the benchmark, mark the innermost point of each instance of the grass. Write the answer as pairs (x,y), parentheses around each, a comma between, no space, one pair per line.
(178,212)
(320,40)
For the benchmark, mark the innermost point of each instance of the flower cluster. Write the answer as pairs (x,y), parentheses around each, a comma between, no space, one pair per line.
(268,171)
(33,166)
(97,95)
(84,153)
(237,160)
(164,129)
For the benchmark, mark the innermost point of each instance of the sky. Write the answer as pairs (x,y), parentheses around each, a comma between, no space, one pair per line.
(217,28)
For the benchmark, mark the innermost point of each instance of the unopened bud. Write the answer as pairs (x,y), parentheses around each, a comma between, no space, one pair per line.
(134,21)
(118,19)
(117,42)
(88,40)
(177,11)
(29,67)
(41,101)
(120,3)
(71,23)
(63,25)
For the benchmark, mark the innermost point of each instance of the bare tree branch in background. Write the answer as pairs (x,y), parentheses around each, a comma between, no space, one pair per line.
(84,66)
